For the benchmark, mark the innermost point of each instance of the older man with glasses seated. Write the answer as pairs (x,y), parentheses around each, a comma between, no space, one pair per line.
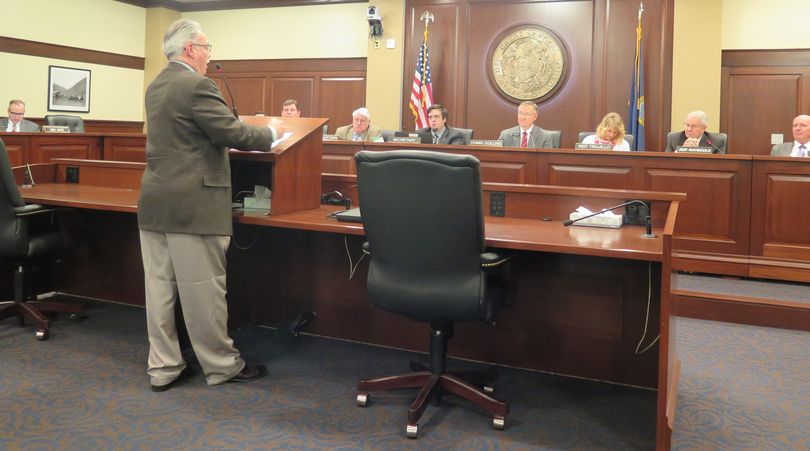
(695,135)
(15,121)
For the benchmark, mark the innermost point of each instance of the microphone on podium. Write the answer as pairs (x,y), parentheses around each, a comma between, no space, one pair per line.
(230,94)
(647,217)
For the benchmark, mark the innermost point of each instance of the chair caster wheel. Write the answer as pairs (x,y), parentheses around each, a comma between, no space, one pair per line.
(75,318)
(411,430)
(42,334)
(362,399)
(489,389)
(498,422)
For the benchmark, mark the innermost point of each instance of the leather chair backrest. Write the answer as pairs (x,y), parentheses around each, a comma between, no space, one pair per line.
(556,137)
(423,220)
(13,230)
(466,133)
(583,135)
(75,123)
(387,134)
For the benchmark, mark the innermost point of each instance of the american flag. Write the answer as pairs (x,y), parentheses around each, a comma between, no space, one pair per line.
(422,88)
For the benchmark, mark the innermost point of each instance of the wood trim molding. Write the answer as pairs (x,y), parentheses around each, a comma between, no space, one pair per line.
(766,57)
(304,65)
(218,5)
(62,52)
(741,310)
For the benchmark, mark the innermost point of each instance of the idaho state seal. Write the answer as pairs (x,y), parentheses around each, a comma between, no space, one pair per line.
(528,63)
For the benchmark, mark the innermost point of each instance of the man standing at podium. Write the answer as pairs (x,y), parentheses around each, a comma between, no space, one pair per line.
(184,211)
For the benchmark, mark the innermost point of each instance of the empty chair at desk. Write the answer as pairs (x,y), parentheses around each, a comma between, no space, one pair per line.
(556,136)
(423,220)
(26,234)
(387,134)
(466,133)
(75,123)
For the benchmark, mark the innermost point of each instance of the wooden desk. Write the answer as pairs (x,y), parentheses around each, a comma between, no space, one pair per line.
(580,301)
(726,227)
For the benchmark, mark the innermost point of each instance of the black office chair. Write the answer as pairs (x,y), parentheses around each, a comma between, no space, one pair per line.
(425,230)
(467,134)
(387,135)
(22,242)
(583,135)
(75,123)
(556,137)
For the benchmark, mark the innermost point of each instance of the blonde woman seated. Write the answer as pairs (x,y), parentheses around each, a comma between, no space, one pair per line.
(609,131)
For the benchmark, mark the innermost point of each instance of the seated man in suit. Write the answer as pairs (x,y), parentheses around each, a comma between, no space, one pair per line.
(360,128)
(15,121)
(800,147)
(442,134)
(290,108)
(695,134)
(526,134)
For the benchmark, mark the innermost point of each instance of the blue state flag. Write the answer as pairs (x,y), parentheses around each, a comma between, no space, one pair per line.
(635,115)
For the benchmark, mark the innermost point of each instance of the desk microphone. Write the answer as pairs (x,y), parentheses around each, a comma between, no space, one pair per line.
(648,218)
(230,94)
(709,142)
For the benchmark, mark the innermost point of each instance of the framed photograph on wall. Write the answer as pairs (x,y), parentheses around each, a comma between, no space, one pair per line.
(68,89)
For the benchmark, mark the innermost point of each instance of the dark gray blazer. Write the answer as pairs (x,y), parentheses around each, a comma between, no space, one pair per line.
(538,138)
(450,136)
(186,187)
(675,140)
(26,126)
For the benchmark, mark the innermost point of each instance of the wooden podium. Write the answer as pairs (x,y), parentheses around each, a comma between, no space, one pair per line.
(292,170)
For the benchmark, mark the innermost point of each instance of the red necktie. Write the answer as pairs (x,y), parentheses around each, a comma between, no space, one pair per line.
(524,142)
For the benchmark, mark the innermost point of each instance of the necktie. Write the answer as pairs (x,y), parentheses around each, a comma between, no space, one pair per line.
(13,127)
(524,142)
(802,151)
(435,139)
(355,137)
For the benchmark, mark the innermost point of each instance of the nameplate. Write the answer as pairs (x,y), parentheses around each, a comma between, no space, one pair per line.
(487,142)
(406,139)
(330,138)
(56,128)
(684,149)
(581,146)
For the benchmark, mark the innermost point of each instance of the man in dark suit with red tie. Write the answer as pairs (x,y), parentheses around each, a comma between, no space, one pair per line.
(526,134)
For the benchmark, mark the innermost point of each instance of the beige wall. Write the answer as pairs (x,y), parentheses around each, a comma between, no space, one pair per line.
(328,31)
(696,61)
(385,66)
(92,24)
(758,24)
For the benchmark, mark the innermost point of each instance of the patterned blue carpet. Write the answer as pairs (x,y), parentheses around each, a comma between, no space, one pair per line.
(86,388)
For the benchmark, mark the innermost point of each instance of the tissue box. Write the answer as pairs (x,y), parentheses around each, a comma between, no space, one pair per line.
(600,220)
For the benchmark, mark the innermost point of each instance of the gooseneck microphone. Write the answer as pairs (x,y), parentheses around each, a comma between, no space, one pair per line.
(647,217)
(230,94)
(709,142)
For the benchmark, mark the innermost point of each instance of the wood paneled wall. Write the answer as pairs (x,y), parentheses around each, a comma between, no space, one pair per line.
(331,88)
(761,92)
(599,35)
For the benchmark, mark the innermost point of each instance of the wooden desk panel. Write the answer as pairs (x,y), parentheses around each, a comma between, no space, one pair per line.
(780,209)
(125,148)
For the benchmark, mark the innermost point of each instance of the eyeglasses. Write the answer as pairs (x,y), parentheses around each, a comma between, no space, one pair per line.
(694,126)
(208,47)
(11,113)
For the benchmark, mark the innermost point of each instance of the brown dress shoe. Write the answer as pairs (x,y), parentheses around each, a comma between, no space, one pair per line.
(250,373)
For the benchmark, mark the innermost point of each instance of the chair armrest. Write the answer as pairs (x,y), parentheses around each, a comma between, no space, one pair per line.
(492,260)
(35,209)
